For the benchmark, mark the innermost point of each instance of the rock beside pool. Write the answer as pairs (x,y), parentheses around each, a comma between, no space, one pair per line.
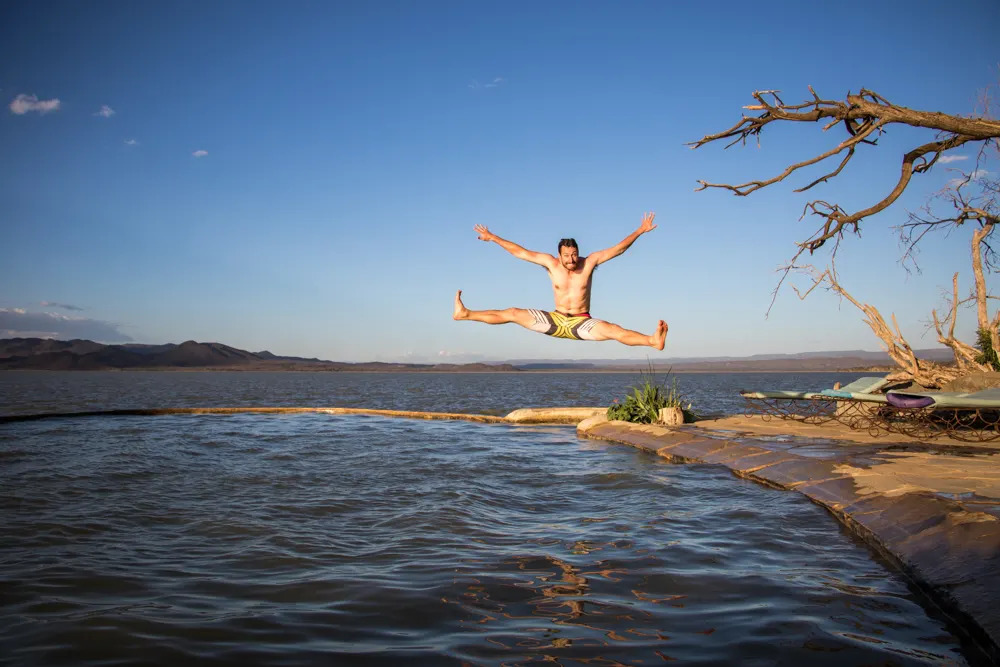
(591,422)
(552,415)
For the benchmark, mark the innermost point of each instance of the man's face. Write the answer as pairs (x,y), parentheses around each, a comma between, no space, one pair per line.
(569,257)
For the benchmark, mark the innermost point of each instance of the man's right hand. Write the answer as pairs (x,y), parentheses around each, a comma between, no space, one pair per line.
(484,233)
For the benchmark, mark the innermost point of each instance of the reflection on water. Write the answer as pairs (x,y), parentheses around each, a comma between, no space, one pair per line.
(329,539)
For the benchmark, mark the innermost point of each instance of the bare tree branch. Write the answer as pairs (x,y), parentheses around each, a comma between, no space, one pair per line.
(965,354)
(752,186)
(863,115)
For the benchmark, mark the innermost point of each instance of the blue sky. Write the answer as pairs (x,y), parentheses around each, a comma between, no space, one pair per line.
(304,177)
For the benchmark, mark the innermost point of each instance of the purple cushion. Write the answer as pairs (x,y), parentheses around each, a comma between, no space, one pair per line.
(908,400)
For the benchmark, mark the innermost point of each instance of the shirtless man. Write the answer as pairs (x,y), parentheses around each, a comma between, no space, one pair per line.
(571,277)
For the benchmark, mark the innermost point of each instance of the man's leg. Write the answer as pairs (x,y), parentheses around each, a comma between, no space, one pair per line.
(515,315)
(609,331)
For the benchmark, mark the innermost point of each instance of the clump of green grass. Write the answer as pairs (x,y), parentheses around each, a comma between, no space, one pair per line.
(642,405)
(987,355)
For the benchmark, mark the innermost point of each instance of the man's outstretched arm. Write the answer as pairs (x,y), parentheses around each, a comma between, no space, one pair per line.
(626,243)
(514,249)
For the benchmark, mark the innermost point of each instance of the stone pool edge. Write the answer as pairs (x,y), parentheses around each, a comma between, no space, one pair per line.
(951,554)
(555,416)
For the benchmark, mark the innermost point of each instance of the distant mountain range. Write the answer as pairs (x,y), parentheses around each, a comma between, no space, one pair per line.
(48,354)
(830,360)
(86,355)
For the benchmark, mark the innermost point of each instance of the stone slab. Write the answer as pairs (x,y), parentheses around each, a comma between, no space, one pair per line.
(697,450)
(835,493)
(797,471)
(731,451)
(623,433)
(894,519)
(745,465)
(964,547)
(978,604)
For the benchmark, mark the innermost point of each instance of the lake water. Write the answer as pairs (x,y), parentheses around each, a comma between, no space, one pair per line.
(484,393)
(329,539)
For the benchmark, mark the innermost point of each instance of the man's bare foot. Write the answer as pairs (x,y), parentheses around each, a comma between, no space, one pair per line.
(660,336)
(461,312)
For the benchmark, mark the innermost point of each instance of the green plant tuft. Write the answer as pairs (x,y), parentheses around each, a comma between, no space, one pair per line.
(642,405)
(987,355)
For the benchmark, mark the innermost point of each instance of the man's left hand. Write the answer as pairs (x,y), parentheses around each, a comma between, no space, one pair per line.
(647,223)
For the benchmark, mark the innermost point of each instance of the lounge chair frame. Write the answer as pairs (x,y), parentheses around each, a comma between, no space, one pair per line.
(878,418)
(818,409)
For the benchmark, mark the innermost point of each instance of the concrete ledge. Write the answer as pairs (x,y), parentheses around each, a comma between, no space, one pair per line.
(949,548)
(256,410)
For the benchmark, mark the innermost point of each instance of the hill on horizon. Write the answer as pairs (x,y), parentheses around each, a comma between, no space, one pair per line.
(77,354)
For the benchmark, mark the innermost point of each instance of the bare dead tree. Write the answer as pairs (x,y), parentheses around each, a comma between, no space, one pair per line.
(973,200)
(926,373)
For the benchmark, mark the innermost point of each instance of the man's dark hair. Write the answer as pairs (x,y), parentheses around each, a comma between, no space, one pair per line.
(567,243)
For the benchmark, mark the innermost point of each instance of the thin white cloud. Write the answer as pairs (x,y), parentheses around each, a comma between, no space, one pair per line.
(496,82)
(945,159)
(53,304)
(976,175)
(105,111)
(200,153)
(454,357)
(17,333)
(131,142)
(16,322)
(22,104)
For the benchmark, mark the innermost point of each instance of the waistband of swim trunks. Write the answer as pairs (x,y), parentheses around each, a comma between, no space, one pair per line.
(576,315)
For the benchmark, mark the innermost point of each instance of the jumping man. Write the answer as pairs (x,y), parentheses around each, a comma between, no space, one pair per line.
(571,277)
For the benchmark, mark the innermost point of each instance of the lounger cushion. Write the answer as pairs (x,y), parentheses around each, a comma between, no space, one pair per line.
(865,385)
(987,398)
(901,400)
(862,389)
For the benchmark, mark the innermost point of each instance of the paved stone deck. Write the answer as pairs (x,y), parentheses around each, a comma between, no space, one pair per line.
(931,508)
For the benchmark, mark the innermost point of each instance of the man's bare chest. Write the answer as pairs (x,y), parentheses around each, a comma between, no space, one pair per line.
(570,281)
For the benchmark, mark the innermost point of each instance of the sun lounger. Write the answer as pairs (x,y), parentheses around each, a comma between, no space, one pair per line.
(820,407)
(968,416)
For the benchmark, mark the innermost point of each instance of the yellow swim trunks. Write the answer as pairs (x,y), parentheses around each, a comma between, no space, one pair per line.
(554,323)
